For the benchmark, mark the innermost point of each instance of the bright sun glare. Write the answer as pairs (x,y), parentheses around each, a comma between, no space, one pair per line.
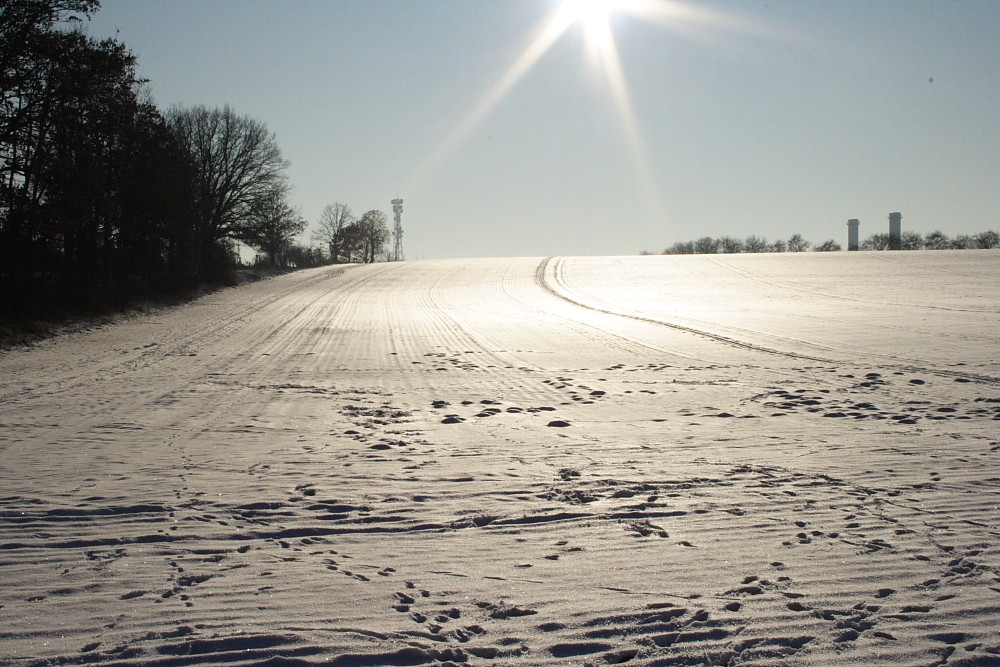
(594,18)
(593,15)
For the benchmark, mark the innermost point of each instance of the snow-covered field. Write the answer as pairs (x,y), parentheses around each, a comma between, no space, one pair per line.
(733,460)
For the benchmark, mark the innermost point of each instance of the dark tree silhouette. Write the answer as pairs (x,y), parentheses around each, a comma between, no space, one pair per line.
(304,257)
(80,228)
(986,240)
(798,244)
(754,243)
(29,50)
(334,218)
(349,241)
(706,245)
(961,242)
(680,248)
(374,233)
(909,241)
(155,246)
(879,241)
(238,167)
(271,225)
(729,244)
(936,240)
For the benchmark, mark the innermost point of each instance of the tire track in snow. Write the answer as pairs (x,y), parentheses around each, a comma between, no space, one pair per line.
(114,371)
(901,363)
(111,362)
(456,323)
(609,338)
(512,286)
(416,317)
(544,282)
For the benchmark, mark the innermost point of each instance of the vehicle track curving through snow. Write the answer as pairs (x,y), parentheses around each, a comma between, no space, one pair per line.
(561,292)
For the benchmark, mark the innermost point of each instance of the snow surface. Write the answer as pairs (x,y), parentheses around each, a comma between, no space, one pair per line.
(733,460)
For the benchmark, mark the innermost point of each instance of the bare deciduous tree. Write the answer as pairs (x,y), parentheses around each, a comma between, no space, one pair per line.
(238,163)
(349,242)
(878,241)
(962,242)
(729,244)
(680,248)
(271,226)
(334,218)
(936,240)
(827,246)
(374,234)
(798,244)
(986,240)
(754,243)
(910,241)
(706,245)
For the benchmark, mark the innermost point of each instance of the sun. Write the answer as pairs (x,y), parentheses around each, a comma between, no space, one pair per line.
(594,19)
(593,15)
(595,10)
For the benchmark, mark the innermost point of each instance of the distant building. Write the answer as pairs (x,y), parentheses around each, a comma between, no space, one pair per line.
(895,226)
(852,233)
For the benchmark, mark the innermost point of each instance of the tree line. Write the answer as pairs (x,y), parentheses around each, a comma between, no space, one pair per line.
(104,198)
(935,240)
(351,239)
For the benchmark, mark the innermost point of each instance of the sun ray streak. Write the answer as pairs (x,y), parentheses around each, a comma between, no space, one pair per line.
(594,16)
(615,76)
(552,30)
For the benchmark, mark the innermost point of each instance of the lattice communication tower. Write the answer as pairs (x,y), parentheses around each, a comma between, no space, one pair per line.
(397,210)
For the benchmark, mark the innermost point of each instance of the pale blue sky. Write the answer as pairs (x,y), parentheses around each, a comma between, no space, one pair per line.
(769,117)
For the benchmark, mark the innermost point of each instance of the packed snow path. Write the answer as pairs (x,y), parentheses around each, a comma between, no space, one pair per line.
(726,460)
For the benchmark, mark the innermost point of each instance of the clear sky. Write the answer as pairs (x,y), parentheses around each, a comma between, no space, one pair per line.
(505,136)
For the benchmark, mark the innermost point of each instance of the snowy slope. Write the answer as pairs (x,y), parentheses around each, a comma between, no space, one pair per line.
(740,460)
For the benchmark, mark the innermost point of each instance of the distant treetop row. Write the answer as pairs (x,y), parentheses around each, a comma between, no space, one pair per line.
(935,240)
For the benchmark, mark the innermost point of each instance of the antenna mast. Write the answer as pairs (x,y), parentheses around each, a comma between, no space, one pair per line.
(397,209)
